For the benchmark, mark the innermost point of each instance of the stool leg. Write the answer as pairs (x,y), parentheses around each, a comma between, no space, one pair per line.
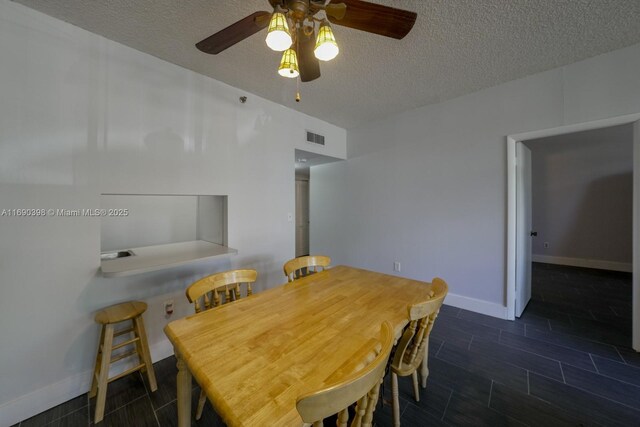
(103,380)
(96,369)
(138,344)
(146,356)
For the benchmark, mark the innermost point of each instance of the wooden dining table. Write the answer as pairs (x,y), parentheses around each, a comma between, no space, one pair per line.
(255,356)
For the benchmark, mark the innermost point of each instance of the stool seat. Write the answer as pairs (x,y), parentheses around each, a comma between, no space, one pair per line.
(133,337)
(120,312)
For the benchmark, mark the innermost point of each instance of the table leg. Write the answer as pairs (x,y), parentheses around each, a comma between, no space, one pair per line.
(183,384)
(424,368)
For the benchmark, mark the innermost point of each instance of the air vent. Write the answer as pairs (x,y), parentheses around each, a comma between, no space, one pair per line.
(314,138)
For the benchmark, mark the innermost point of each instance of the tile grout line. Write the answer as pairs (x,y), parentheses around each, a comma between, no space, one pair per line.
(470,341)
(604,397)
(440,348)
(444,413)
(166,404)
(123,406)
(621,356)
(490,394)
(60,417)
(146,390)
(594,363)
(541,355)
(528,384)
(577,336)
(564,380)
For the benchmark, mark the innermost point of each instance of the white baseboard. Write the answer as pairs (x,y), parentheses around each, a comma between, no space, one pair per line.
(587,263)
(44,398)
(30,404)
(476,305)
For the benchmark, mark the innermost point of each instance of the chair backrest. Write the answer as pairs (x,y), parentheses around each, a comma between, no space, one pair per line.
(206,292)
(304,265)
(410,349)
(361,386)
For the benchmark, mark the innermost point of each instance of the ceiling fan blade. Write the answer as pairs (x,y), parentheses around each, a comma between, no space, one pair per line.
(336,10)
(234,33)
(307,62)
(375,18)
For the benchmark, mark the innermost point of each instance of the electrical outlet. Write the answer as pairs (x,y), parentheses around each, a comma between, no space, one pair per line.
(289,217)
(168,307)
(396,266)
(546,244)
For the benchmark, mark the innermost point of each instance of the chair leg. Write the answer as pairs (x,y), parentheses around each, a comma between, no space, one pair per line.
(343,417)
(103,379)
(96,369)
(395,405)
(146,356)
(367,421)
(361,408)
(201,401)
(424,366)
(416,389)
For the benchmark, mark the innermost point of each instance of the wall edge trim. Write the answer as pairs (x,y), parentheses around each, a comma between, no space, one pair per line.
(476,305)
(45,398)
(626,267)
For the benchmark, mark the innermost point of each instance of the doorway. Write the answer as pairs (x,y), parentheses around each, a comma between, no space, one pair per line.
(515,262)
(302,211)
(305,161)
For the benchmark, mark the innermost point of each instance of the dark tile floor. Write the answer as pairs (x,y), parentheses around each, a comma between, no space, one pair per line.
(565,362)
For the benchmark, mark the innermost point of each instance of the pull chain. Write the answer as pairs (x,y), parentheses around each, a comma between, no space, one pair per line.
(298,78)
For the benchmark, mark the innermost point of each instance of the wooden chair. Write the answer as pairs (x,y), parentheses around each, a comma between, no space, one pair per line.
(304,265)
(361,386)
(108,318)
(206,293)
(413,347)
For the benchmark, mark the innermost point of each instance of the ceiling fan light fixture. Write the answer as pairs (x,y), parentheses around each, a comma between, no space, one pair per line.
(326,47)
(289,64)
(278,36)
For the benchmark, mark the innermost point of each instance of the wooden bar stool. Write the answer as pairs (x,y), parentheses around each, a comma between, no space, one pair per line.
(108,318)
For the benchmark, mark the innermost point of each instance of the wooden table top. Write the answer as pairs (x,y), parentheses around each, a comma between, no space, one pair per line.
(255,356)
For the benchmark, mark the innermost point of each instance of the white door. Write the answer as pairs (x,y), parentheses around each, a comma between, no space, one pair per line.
(523,227)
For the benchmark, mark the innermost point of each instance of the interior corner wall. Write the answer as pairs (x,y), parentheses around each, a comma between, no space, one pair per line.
(427,187)
(81,116)
(582,191)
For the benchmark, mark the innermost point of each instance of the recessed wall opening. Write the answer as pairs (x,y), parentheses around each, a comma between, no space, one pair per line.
(147,232)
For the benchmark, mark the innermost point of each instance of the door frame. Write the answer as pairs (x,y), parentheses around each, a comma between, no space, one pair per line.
(512,197)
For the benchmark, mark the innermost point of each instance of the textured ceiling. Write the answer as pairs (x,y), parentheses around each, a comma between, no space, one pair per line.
(456,47)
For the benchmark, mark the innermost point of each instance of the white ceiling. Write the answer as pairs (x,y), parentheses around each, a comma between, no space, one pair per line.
(456,47)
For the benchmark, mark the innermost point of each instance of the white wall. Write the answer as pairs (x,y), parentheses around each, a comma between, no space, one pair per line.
(582,195)
(427,187)
(81,116)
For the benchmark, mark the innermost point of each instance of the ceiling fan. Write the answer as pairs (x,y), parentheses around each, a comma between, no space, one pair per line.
(304,37)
